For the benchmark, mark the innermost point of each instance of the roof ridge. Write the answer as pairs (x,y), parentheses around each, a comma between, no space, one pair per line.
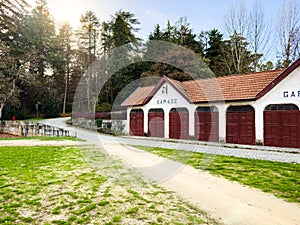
(252,73)
(237,75)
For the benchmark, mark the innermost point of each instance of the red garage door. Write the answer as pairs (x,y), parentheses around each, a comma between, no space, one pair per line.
(156,123)
(137,122)
(207,124)
(282,126)
(240,125)
(179,123)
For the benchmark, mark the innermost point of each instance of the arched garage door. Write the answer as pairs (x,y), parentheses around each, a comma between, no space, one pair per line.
(207,124)
(282,125)
(156,123)
(179,123)
(137,122)
(240,125)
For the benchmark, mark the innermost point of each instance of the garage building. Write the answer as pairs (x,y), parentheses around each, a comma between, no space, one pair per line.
(258,108)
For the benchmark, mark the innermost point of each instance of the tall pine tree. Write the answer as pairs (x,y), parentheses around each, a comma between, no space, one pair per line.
(116,33)
(12,50)
(214,52)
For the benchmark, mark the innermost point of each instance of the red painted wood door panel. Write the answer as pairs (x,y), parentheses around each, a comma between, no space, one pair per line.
(156,123)
(179,124)
(240,127)
(282,128)
(207,126)
(137,122)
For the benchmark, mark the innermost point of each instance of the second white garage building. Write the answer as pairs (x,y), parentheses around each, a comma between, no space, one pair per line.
(258,108)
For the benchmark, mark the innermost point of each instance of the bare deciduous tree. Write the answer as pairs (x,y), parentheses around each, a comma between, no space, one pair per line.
(258,34)
(251,25)
(288,31)
(236,21)
(235,53)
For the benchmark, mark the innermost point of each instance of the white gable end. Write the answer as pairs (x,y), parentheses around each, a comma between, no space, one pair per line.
(285,92)
(167,97)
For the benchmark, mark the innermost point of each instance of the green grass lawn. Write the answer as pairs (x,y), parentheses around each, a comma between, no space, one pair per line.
(56,185)
(279,179)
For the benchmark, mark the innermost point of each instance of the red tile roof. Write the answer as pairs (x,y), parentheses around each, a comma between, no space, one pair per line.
(138,96)
(227,88)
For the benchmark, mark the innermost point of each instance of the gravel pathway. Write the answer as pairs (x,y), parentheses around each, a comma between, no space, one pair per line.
(265,153)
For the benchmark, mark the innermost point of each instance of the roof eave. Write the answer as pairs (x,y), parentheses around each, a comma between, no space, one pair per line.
(220,101)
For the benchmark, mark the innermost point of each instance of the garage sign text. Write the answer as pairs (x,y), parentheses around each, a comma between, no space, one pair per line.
(291,94)
(166,101)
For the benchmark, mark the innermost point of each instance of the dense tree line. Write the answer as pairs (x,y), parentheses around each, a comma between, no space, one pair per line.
(41,66)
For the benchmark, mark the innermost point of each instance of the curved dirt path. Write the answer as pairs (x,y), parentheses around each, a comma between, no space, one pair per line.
(227,201)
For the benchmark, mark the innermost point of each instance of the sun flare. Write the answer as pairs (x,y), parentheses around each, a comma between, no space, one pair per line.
(64,11)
